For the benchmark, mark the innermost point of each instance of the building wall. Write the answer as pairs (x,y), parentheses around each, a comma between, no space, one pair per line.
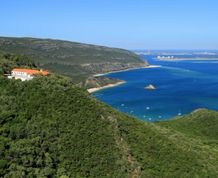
(20,75)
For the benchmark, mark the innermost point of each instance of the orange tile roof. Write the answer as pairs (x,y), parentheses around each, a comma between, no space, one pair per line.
(31,71)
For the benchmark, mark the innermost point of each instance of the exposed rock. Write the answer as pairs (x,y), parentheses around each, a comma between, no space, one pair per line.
(150,87)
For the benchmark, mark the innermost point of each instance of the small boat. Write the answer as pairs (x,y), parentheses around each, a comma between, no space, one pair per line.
(150,87)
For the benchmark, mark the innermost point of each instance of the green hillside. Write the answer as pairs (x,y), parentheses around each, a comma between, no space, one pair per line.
(163,152)
(73,59)
(202,124)
(50,128)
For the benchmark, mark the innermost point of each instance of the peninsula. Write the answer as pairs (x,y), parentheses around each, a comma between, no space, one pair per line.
(76,60)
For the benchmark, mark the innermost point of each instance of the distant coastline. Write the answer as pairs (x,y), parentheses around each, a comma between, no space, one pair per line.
(187,59)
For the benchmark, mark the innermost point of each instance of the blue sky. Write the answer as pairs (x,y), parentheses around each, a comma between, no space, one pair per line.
(131,24)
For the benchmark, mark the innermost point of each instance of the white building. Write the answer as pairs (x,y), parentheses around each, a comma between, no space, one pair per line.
(26,74)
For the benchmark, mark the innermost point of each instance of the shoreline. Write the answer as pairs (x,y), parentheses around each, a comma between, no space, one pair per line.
(145,67)
(92,90)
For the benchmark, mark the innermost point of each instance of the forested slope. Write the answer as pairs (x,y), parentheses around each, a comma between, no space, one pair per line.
(76,60)
(49,128)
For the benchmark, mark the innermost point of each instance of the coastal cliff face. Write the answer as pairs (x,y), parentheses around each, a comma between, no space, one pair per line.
(76,60)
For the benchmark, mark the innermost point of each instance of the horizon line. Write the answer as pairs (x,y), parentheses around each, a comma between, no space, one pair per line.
(97,44)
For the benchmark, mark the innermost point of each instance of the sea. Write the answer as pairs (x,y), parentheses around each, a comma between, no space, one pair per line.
(181,87)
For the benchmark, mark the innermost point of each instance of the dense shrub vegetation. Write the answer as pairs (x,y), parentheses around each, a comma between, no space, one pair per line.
(50,128)
(163,152)
(8,62)
(201,124)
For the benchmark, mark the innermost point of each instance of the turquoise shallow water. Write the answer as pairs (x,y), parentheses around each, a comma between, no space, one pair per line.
(181,88)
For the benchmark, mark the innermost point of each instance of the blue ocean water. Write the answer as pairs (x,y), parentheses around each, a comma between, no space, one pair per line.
(182,87)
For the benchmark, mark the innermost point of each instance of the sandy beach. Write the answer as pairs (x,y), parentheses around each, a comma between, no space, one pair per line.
(92,90)
(146,67)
